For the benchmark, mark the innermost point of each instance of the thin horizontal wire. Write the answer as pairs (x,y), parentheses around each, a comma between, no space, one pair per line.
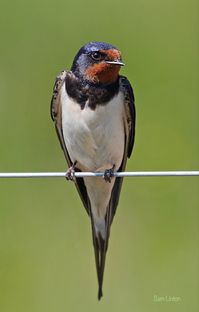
(98,174)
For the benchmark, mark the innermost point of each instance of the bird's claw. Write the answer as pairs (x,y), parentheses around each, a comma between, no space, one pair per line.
(70,174)
(109,174)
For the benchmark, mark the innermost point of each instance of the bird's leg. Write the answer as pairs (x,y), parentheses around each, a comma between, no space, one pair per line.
(70,173)
(109,174)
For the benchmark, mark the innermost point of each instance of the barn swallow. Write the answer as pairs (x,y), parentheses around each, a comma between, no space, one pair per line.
(94,114)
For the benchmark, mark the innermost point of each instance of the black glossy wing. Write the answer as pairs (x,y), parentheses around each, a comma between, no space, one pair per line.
(56,112)
(130,113)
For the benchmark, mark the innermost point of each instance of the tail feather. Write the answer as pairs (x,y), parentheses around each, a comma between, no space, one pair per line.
(101,243)
(100,247)
(100,258)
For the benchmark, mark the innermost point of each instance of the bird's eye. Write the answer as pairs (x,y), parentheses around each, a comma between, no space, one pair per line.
(97,56)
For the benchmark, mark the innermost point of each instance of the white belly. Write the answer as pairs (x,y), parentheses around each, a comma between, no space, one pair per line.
(94,138)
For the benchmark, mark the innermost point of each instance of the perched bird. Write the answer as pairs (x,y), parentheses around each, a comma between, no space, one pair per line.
(94,114)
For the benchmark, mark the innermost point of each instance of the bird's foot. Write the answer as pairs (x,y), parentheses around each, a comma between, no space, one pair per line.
(109,174)
(70,173)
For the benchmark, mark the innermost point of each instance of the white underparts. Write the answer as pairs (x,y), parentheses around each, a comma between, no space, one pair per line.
(95,139)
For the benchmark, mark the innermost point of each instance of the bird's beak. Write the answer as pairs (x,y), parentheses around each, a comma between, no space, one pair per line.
(116,62)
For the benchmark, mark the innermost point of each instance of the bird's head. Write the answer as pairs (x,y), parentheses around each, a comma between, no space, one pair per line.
(97,62)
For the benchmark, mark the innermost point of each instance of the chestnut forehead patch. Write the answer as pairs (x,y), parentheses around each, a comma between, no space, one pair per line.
(112,54)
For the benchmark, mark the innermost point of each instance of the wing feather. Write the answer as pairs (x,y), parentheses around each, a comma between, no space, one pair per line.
(130,113)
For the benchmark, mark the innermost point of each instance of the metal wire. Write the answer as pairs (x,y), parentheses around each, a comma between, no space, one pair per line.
(98,174)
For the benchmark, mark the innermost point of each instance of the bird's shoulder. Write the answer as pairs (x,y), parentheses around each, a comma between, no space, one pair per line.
(59,81)
(127,88)
(130,112)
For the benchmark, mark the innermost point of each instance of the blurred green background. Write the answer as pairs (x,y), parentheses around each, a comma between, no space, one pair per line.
(46,254)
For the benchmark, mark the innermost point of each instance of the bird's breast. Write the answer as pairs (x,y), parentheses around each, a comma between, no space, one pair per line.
(94,138)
